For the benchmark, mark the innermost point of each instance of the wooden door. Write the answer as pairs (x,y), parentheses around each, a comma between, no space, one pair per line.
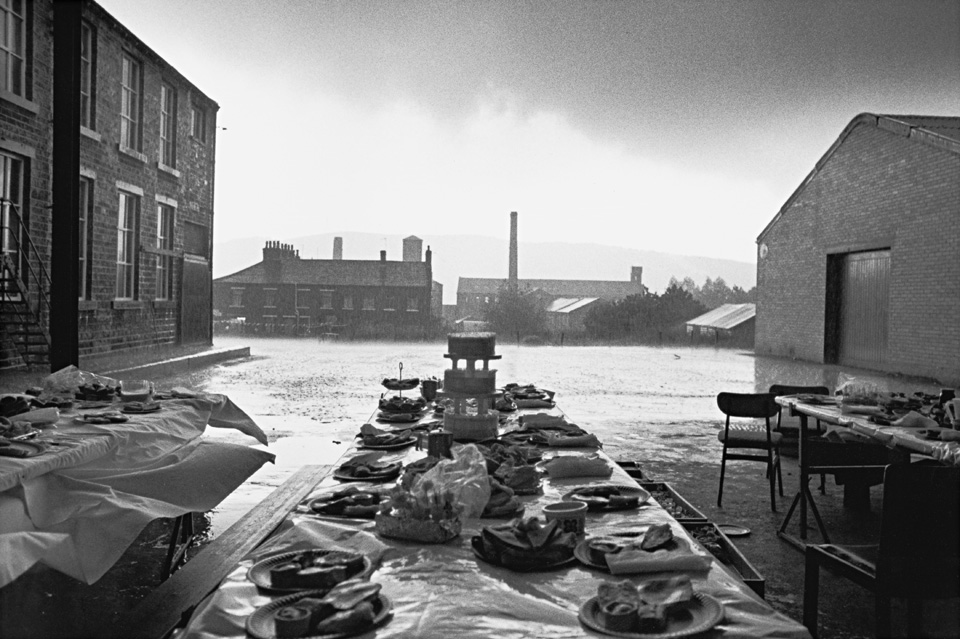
(195,300)
(864,308)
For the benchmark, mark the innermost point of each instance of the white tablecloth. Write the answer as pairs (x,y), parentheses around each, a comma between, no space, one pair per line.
(77,508)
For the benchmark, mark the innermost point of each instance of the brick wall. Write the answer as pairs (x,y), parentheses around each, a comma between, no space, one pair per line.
(878,189)
(107,324)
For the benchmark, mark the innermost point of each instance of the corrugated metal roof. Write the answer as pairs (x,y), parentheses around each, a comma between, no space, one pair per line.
(569,304)
(333,273)
(725,317)
(607,289)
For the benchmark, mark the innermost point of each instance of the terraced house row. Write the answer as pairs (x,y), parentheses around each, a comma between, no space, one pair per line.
(147,143)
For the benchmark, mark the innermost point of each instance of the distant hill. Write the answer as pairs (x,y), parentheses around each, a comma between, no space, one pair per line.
(456,256)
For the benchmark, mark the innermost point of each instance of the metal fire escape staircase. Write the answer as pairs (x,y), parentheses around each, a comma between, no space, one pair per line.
(24,295)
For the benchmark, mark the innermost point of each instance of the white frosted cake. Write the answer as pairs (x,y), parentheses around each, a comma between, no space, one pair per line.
(473,383)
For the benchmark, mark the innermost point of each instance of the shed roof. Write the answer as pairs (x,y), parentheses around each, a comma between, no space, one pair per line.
(725,317)
(935,131)
(569,304)
(334,273)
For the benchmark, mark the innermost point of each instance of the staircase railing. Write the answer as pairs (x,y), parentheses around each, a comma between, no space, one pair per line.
(23,268)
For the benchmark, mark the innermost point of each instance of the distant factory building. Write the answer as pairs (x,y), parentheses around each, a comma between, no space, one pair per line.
(729,324)
(861,265)
(354,298)
(566,301)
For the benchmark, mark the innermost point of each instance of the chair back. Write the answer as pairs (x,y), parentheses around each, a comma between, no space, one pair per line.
(787,389)
(919,554)
(748,404)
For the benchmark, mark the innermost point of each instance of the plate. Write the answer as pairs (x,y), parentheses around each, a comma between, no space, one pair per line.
(398,418)
(544,568)
(518,512)
(109,417)
(134,410)
(583,556)
(733,530)
(392,473)
(702,613)
(24,448)
(410,441)
(641,493)
(259,572)
(260,623)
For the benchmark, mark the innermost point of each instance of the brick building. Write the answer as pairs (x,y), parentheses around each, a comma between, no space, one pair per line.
(474,294)
(861,265)
(147,148)
(354,298)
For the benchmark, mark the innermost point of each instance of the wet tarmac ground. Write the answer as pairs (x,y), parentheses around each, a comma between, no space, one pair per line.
(655,406)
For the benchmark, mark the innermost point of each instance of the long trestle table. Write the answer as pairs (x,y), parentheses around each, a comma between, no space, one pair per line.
(444,590)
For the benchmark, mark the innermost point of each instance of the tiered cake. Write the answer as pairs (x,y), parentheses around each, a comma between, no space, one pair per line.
(471,383)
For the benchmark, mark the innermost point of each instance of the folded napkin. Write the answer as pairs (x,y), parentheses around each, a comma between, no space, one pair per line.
(631,562)
(913,419)
(577,466)
(560,440)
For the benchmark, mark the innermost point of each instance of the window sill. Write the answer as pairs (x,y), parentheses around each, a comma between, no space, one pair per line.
(164,304)
(413,310)
(132,153)
(126,305)
(168,170)
(90,133)
(23,103)
(87,305)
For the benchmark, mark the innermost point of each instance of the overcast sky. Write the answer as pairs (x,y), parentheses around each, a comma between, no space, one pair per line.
(680,126)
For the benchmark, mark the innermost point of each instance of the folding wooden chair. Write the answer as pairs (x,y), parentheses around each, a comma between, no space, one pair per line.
(751,436)
(918,557)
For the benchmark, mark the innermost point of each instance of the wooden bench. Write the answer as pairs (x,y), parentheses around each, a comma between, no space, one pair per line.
(173,601)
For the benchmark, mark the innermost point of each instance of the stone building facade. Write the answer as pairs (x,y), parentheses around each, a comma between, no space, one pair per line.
(147,153)
(861,266)
(284,294)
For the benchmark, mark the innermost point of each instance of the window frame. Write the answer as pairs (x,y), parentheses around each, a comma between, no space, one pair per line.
(13,169)
(166,232)
(131,102)
(14,80)
(413,304)
(85,233)
(347,303)
(198,124)
(236,296)
(167,149)
(128,224)
(369,303)
(303,298)
(88,72)
(270,298)
(325,301)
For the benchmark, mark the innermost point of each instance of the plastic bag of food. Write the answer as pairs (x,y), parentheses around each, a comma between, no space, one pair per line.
(855,390)
(464,476)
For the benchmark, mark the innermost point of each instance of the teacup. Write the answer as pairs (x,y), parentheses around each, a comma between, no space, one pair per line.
(571,516)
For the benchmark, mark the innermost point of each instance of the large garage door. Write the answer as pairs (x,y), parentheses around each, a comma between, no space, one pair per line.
(864,308)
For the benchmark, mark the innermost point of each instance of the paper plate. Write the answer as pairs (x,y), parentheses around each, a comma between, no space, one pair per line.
(641,493)
(582,554)
(733,530)
(398,418)
(260,624)
(259,572)
(397,446)
(702,613)
(24,448)
(377,477)
(542,568)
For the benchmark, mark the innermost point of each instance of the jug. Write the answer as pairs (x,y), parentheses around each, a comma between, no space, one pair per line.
(952,409)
